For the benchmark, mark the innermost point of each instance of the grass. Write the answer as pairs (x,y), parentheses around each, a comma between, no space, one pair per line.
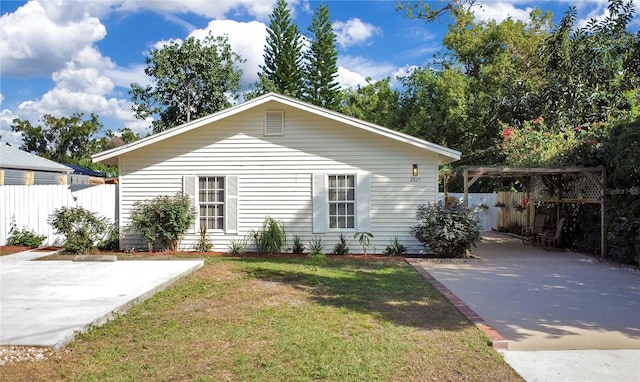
(259,319)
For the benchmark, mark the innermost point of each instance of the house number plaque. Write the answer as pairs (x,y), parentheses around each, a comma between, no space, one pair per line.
(415,179)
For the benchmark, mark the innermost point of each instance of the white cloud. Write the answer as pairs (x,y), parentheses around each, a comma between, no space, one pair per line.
(354,31)
(246,38)
(500,10)
(349,79)
(377,70)
(33,42)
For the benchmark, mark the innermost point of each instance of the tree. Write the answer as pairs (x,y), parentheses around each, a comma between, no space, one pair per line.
(588,71)
(63,139)
(192,79)
(321,68)
(282,71)
(376,102)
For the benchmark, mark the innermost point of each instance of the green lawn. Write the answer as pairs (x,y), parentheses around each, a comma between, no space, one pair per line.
(258,319)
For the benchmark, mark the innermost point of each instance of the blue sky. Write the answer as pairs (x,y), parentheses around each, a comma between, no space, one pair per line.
(63,57)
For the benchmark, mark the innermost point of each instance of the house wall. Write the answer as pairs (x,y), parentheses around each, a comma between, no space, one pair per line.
(275,174)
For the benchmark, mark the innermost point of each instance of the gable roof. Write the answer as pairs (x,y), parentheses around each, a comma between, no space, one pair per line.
(446,155)
(13,158)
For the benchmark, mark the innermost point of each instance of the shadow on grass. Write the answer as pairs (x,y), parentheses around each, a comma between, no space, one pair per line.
(391,291)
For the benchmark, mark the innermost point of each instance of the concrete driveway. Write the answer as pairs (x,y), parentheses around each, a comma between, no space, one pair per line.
(553,308)
(46,303)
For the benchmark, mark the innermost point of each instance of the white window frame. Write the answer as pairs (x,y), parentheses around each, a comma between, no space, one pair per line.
(220,205)
(338,196)
(320,203)
(191,188)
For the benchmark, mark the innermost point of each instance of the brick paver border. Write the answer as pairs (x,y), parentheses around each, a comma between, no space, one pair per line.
(497,341)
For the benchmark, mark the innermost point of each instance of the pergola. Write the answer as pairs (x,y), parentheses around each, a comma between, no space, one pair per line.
(578,185)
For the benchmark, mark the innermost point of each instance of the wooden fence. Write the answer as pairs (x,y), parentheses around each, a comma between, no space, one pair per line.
(29,207)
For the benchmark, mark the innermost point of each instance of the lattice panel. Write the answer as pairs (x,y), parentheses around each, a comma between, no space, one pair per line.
(579,186)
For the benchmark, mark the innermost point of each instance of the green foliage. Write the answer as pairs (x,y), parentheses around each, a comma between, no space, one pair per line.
(376,102)
(81,228)
(282,71)
(164,218)
(203,244)
(316,246)
(271,238)
(364,238)
(63,139)
(395,248)
(321,69)
(236,247)
(341,248)
(298,245)
(624,239)
(192,79)
(24,237)
(448,232)
(112,241)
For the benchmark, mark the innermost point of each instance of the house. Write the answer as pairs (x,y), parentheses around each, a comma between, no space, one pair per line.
(319,172)
(19,167)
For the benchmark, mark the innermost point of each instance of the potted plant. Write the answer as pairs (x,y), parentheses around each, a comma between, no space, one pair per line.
(483,207)
(500,205)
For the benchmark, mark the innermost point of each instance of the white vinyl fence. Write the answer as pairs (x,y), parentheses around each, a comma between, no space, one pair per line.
(30,206)
(488,217)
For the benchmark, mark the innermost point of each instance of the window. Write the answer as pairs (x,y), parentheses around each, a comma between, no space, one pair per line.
(211,202)
(342,198)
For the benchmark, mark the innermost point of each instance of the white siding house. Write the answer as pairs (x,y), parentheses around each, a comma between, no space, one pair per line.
(319,172)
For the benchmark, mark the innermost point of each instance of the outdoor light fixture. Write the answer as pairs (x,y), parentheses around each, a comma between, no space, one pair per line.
(415,170)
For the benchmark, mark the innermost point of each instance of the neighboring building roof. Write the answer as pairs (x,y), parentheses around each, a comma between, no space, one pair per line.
(446,155)
(13,158)
(84,171)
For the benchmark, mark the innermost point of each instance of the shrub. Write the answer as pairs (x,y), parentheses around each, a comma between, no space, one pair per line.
(236,247)
(316,245)
(112,241)
(81,228)
(271,238)
(298,245)
(166,218)
(341,248)
(448,232)
(24,237)
(395,248)
(203,244)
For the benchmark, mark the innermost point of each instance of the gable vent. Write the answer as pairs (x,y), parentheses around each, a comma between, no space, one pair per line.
(274,123)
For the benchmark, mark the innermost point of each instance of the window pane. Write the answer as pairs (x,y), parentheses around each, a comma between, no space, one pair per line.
(350,222)
(351,181)
(350,208)
(351,194)
(333,222)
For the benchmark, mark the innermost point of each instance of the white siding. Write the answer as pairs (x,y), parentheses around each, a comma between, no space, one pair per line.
(275,174)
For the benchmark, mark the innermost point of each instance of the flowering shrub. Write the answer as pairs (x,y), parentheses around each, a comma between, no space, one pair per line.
(447,231)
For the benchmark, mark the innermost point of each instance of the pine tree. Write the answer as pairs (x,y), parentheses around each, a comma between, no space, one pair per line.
(321,68)
(282,71)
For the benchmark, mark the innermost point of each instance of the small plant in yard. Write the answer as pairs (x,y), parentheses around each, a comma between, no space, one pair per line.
(236,247)
(341,248)
(24,237)
(298,245)
(112,241)
(364,238)
(271,238)
(166,218)
(316,246)
(81,228)
(448,232)
(395,248)
(203,244)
